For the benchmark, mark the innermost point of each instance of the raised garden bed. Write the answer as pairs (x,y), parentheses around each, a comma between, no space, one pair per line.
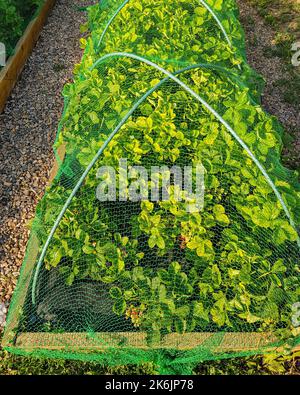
(141,278)
(10,73)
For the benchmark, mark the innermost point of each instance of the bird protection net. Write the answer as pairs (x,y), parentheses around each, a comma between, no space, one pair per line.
(169,231)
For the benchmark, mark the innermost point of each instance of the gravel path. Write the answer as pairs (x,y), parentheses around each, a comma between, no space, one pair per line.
(27,132)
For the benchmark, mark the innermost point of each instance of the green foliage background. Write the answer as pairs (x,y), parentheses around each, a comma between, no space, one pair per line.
(14,17)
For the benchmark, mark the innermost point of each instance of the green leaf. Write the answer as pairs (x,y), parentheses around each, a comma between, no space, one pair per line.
(182,312)
(199,11)
(168,306)
(251,318)
(283,232)
(279,267)
(221,217)
(276,294)
(56,257)
(205,288)
(147,206)
(152,241)
(160,242)
(212,135)
(70,279)
(200,312)
(88,249)
(216,275)
(119,306)
(270,311)
(164,276)
(94,117)
(180,325)
(116,293)
(218,316)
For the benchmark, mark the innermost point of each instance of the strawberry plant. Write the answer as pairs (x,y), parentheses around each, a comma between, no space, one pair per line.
(232,266)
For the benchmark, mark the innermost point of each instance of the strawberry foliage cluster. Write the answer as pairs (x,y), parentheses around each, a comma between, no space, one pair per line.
(234,266)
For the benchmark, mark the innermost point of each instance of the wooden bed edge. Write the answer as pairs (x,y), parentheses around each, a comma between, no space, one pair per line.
(85,342)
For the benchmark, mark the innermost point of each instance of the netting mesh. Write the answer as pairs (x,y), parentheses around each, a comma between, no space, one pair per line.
(118,280)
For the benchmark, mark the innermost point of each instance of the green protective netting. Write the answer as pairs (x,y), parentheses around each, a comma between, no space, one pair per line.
(134,280)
